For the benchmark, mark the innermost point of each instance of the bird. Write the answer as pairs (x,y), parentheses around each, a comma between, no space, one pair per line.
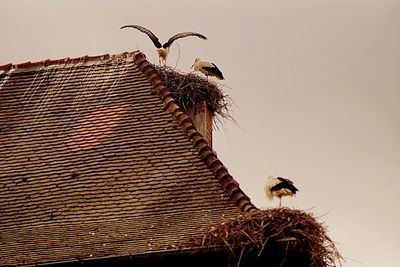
(163,50)
(279,187)
(207,68)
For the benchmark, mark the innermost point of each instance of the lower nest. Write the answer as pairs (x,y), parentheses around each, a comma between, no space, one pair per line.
(278,237)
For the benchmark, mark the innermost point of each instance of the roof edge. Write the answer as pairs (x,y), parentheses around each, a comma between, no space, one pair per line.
(124,259)
(220,172)
(29,64)
(48,62)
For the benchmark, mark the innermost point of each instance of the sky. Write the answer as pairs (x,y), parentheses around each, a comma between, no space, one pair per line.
(315,86)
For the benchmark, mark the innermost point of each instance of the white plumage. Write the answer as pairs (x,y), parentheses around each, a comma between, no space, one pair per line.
(207,68)
(279,187)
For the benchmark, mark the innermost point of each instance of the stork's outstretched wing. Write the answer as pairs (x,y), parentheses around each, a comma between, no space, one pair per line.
(182,35)
(151,35)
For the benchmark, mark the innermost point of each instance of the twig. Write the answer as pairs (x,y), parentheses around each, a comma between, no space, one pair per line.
(179,55)
(240,258)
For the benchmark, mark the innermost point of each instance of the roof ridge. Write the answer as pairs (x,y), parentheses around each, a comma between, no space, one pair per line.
(220,172)
(66,60)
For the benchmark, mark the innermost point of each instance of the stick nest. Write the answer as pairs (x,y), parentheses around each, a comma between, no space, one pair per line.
(189,89)
(279,237)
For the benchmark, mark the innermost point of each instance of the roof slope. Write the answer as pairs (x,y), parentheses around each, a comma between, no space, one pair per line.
(96,159)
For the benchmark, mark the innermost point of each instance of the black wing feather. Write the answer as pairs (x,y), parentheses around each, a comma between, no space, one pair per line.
(149,33)
(215,70)
(284,183)
(183,35)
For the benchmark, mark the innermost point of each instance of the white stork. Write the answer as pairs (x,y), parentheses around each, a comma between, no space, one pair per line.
(279,187)
(207,68)
(163,50)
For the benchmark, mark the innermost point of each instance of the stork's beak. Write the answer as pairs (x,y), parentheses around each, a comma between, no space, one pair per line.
(192,66)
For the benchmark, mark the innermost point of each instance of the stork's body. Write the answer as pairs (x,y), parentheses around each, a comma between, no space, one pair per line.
(207,68)
(279,187)
(163,54)
(163,50)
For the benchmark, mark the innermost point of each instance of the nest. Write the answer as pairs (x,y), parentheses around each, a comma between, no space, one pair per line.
(278,237)
(189,89)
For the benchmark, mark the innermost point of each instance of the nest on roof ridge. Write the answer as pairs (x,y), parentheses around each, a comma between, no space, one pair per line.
(277,237)
(189,89)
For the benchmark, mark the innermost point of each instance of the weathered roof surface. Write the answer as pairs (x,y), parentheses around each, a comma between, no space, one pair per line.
(96,160)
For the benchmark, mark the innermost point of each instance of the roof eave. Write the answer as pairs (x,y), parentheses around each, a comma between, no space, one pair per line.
(179,257)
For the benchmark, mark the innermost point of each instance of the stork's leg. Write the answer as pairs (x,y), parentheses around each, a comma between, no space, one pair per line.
(280,202)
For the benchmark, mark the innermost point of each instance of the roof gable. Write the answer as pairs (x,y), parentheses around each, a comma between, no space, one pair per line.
(98,160)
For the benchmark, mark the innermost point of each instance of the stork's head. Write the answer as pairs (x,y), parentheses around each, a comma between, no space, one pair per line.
(195,61)
(268,192)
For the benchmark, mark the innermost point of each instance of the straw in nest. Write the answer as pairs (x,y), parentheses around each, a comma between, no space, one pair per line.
(277,237)
(189,89)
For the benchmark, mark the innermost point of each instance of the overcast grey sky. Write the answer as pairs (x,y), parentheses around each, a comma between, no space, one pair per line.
(316,85)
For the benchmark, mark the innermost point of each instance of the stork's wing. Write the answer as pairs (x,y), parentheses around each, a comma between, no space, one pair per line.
(182,35)
(214,69)
(286,180)
(285,183)
(154,38)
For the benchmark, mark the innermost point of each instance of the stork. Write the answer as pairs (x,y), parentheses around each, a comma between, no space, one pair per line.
(163,50)
(279,187)
(207,68)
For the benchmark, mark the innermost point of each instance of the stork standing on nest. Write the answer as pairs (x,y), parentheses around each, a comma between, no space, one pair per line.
(207,68)
(279,187)
(163,50)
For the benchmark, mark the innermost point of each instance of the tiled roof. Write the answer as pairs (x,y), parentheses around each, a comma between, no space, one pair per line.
(97,160)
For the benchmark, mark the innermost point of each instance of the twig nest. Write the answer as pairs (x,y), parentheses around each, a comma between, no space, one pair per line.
(278,237)
(189,89)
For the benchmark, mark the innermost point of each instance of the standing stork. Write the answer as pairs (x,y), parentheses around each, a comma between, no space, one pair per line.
(163,50)
(279,187)
(207,68)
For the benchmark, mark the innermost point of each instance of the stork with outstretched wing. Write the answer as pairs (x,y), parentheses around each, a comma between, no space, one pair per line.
(163,50)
